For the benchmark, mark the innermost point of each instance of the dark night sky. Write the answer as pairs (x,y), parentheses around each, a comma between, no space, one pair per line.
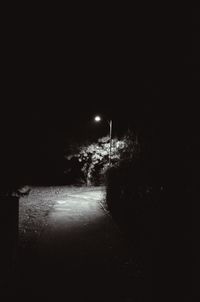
(129,68)
(141,68)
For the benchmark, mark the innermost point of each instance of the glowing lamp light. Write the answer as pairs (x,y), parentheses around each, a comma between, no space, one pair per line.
(97,118)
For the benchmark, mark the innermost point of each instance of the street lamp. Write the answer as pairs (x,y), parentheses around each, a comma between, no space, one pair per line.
(98,119)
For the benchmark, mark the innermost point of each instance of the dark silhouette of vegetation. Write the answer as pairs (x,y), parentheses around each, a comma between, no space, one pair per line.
(150,196)
(133,193)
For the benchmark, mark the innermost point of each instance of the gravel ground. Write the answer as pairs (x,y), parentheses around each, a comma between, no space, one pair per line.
(34,209)
(34,212)
(96,249)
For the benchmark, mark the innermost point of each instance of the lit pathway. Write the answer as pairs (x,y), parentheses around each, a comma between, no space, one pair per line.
(81,254)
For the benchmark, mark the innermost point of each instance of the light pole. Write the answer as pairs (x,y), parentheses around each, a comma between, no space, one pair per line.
(110,124)
(98,119)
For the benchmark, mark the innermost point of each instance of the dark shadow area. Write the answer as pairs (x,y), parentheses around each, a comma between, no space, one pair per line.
(151,199)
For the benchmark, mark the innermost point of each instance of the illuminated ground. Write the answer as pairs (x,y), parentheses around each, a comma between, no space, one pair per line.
(79,252)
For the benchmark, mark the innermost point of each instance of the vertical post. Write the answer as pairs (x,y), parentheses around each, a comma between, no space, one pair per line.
(110,142)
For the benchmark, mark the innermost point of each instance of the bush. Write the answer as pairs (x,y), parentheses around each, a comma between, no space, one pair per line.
(93,158)
(133,194)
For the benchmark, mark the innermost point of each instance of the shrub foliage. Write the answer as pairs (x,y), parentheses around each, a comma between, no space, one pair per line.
(93,158)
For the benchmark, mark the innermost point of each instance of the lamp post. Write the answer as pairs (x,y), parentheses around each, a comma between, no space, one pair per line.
(110,124)
(98,119)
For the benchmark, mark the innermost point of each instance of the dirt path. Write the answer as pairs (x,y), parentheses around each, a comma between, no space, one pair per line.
(80,254)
